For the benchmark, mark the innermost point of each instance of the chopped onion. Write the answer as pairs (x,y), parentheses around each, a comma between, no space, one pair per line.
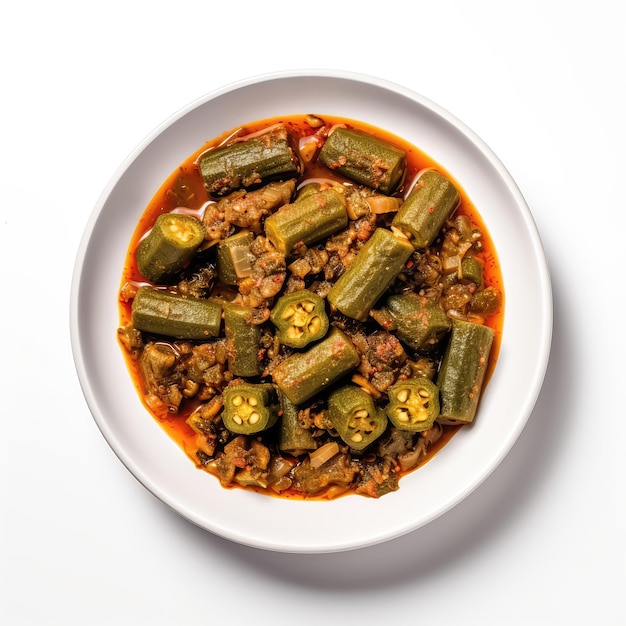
(451,263)
(241,262)
(383,204)
(323,454)
(307,147)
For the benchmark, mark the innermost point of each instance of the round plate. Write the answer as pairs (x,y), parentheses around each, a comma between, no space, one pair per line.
(302,526)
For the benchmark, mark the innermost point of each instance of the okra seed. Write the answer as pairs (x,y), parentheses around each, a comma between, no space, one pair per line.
(357,438)
(361,414)
(288,312)
(308,306)
(299,319)
(403,395)
(237,401)
(294,333)
(252,401)
(237,419)
(423,393)
(403,415)
(315,324)
(254,418)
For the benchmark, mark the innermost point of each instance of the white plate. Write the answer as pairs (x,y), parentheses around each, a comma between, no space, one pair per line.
(301,526)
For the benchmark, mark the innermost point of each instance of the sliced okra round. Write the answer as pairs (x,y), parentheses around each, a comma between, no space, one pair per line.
(249,408)
(355,417)
(413,404)
(300,318)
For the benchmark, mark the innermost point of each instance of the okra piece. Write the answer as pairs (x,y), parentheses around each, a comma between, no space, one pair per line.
(307,190)
(169,246)
(463,370)
(304,374)
(300,318)
(249,408)
(429,204)
(374,268)
(243,340)
(472,271)
(486,301)
(234,259)
(249,162)
(419,323)
(162,313)
(413,404)
(293,438)
(364,159)
(355,417)
(308,220)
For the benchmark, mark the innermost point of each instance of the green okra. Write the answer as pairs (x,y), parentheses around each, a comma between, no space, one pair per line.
(315,217)
(472,271)
(249,162)
(169,246)
(293,438)
(163,313)
(355,417)
(364,159)
(486,301)
(249,408)
(234,259)
(304,374)
(463,369)
(373,270)
(413,404)
(243,340)
(300,318)
(429,204)
(418,322)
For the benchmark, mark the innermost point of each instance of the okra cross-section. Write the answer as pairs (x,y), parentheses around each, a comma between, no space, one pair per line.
(355,417)
(374,268)
(413,404)
(365,159)
(429,204)
(169,246)
(249,408)
(249,162)
(300,318)
(163,313)
(463,370)
(304,374)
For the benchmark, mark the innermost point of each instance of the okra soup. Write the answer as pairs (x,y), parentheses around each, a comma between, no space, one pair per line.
(310,307)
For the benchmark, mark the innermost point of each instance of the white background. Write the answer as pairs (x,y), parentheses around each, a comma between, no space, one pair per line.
(541,541)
